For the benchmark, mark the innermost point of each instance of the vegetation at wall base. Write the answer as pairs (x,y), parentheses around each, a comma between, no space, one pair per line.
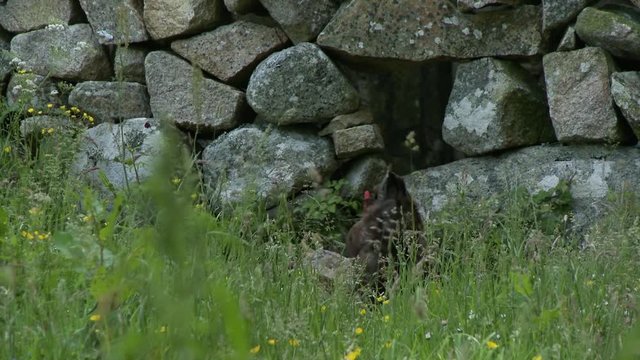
(148,273)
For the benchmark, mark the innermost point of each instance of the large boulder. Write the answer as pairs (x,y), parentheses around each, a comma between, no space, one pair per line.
(625,88)
(98,98)
(232,51)
(116,22)
(24,15)
(180,92)
(302,20)
(615,30)
(70,53)
(125,153)
(579,95)
(300,85)
(169,18)
(593,171)
(419,30)
(255,164)
(495,105)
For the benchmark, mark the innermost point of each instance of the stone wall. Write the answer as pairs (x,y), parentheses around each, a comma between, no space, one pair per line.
(283,93)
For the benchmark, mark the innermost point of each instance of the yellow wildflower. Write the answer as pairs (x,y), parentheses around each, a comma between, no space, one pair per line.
(255,349)
(492,345)
(359,330)
(386,302)
(387,345)
(589,282)
(363,312)
(163,329)
(323,308)
(31,110)
(386,318)
(537,357)
(63,108)
(75,109)
(22,71)
(294,342)
(49,105)
(39,112)
(50,131)
(176,180)
(353,354)
(91,119)
(87,218)
(272,342)
(95,317)
(29,235)
(381,298)
(7,149)
(68,112)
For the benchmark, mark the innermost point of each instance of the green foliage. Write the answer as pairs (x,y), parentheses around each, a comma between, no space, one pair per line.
(147,273)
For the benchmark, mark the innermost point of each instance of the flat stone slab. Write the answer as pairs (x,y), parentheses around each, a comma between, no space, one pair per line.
(65,52)
(625,89)
(116,22)
(418,30)
(99,98)
(341,122)
(123,162)
(357,140)
(258,165)
(192,101)
(594,171)
(495,105)
(300,85)
(579,96)
(25,15)
(169,18)
(232,51)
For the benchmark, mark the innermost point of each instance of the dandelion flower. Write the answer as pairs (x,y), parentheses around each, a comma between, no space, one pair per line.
(31,110)
(49,105)
(363,312)
(7,149)
(95,317)
(359,330)
(353,354)
(294,342)
(272,342)
(255,349)
(492,345)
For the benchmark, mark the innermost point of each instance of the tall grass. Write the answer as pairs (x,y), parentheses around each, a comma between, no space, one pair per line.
(150,273)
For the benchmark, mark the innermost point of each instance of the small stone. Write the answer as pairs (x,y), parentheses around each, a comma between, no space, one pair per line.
(300,85)
(231,52)
(569,40)
(331,266)
(357,140)
(475,5)
(341,122)
(99,97)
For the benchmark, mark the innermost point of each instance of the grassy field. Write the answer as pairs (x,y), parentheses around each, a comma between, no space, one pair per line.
(148,273)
